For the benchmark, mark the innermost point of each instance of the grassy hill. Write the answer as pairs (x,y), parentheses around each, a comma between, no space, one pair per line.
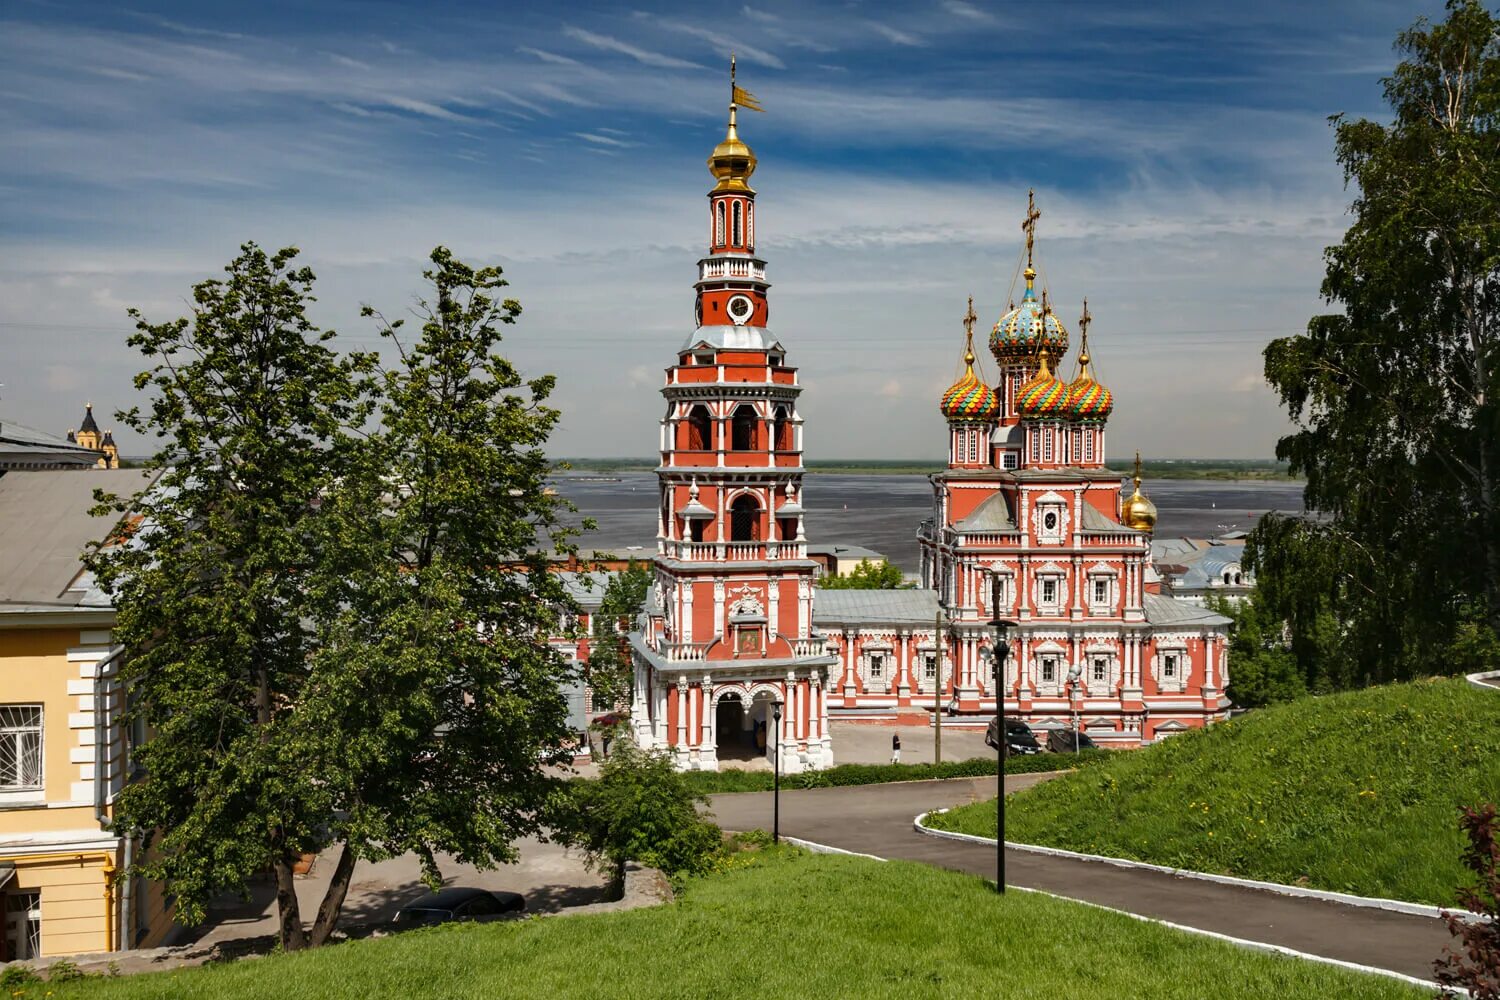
(783,924)
(1355,792)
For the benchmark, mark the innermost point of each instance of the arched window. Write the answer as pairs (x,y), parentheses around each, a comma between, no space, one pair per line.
(750,225)
(744,519)
(739,223)
(699,430)
(719,224)
(742,431)
(782,430)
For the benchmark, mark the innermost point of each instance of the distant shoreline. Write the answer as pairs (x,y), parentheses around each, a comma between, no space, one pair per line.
(1220,470)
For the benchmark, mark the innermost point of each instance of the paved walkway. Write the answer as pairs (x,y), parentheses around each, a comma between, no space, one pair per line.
(877,819)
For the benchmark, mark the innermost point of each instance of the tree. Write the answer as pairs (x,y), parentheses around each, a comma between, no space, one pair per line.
(211,593)
(1397,420)
(611,669)
(1263,670)
(866,576)
(336,635)
(436,700)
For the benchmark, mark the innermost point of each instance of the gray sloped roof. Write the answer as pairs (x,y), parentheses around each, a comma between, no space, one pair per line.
(874,607)
(587,589)
(992,515)
(1095,520)
(45,525)
(1170,611)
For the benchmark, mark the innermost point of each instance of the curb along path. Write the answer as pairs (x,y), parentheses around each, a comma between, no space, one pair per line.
(877,820)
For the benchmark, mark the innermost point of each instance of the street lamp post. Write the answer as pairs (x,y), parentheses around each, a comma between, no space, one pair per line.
(1002,653)
(1145,720)
(1073,676)
(776,779)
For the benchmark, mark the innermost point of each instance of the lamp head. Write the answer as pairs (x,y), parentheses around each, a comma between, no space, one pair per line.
(776,710)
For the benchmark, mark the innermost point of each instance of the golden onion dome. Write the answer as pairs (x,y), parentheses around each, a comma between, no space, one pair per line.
(1137,512)
(969,400)
(732,162)
(1044,396)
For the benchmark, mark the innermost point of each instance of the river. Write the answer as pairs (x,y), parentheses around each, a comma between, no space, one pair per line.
(881,512)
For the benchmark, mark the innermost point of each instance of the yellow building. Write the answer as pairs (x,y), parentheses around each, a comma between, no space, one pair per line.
(62,750)
(88,436)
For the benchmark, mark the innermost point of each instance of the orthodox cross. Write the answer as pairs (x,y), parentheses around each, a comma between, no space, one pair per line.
(969,320)
(1029,226)
(1083,330)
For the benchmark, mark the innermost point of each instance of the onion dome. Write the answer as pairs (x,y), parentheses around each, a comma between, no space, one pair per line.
(1137,512)
(1087,399)
(969,399)
(1044,396)
(732,162)
(1028,329)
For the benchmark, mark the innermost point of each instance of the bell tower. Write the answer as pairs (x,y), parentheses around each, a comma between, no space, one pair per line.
(733,634)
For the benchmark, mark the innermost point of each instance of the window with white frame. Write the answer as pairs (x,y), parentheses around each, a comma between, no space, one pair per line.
(20,747)
(1009,461)
(1101,591)
(1046,445)
(1099,669)
(1049,592)
(877,666)
(929,667)
(1047,668)
(1169,666)
(1088,447)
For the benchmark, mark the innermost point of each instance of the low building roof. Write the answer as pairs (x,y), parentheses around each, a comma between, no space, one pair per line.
(874,607)
(45,525)
(845,551)
(1170,611)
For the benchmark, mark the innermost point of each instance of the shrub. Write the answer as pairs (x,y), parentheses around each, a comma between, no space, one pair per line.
(639,809)
(18,975)
(736,780)
(1477,969)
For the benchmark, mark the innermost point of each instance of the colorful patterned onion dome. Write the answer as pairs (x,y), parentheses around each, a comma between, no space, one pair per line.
(969,399)
(1044,396)
(1028,329)
(1087,399)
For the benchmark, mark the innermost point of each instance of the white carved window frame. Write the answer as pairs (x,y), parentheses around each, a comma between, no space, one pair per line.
(1091,654)
(1059,653)
(921,683)
(1005,579)
(1163,647)
(867,653)
(1051,503)
(1057,575)
(1108,575)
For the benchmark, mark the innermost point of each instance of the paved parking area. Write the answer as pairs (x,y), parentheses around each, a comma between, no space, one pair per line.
(549,876)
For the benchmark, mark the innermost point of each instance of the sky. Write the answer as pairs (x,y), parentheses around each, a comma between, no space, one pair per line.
(1181,156)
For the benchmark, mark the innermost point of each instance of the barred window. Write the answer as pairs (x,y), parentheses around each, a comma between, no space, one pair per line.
(1049,669)
(929,667)
(1169,666)
(20,746)
(1101,591)
(1101,669)
(877,666)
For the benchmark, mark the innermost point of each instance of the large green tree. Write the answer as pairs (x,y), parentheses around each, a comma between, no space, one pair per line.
(338,631)
(867,575)
(1397,420)
(254,412)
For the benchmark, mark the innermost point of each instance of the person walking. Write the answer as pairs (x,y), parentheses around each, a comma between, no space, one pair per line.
(895,748)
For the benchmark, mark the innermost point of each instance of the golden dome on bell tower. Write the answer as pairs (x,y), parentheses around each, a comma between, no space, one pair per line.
(1138,513)
(732,161)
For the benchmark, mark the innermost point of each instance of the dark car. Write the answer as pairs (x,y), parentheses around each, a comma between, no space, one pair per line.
(1019,738)
(1069,741)
(459,904)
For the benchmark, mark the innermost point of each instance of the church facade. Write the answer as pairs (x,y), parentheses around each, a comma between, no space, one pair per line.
(740,654)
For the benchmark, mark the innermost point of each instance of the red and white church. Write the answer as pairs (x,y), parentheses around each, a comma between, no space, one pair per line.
(735,623)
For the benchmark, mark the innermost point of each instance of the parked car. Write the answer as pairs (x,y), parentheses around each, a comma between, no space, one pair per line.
(1069,741)
(1019,738)
(459,904)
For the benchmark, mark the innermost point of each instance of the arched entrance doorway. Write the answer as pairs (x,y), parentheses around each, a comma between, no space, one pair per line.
(734,729)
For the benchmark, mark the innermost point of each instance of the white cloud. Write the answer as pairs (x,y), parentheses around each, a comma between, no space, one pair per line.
(643,56)
(549,57)
(967,11)
(724,44)
(895,35)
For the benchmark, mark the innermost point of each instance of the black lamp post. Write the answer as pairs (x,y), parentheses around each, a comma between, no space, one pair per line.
(776,779)
(1002,653)
(1073,677)
(1145,721)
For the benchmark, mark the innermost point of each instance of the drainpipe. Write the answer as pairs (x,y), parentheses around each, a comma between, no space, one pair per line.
(102,674)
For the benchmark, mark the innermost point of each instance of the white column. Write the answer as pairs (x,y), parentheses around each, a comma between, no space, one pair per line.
(706,706)
(682,712)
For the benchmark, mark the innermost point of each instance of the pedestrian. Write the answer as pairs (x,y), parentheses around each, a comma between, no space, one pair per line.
(895,748)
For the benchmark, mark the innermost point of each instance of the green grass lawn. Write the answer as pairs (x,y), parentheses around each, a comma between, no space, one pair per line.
(783,924)
(1355,792)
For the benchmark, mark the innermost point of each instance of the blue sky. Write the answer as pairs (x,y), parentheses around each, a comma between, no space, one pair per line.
(1181,156)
